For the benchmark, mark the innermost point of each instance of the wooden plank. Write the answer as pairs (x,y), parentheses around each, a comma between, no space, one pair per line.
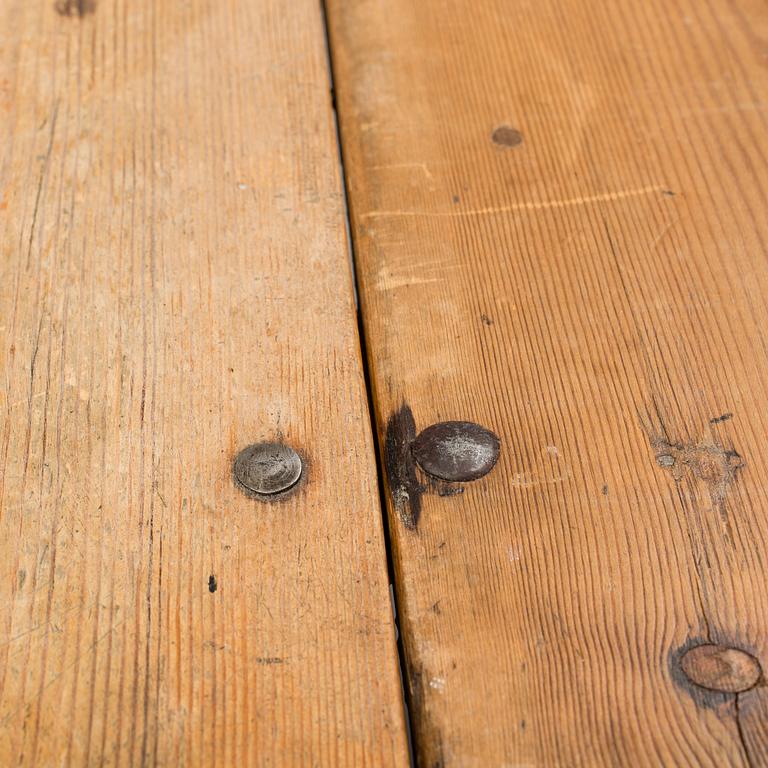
(559,215)
(175,285)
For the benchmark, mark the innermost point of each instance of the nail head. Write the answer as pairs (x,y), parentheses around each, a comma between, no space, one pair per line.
(456,451)
(267,468)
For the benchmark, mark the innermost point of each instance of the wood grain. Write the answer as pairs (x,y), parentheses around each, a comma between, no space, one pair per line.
(174,285)
(558,210)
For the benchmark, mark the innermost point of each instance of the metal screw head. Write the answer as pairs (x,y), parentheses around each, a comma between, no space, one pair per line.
(267,469)
(456,450)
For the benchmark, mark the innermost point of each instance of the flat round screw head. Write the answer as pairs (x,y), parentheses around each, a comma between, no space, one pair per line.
(267,469)
(456,451)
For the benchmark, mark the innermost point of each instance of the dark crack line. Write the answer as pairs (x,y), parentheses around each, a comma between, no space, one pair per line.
(40,182)
(740,731)
(407,701)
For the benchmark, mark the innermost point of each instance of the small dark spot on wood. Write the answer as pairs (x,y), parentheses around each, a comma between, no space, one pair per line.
(266,660)
(668,193)
(721,668)
(605,490)
(77,8)
(212,585)
(506,136)
(448,489)
(404,487)
(456,199)
(457,451)
(486,320)
(522,725)
(719,419)
(436,608)
(443,488)
(21,577)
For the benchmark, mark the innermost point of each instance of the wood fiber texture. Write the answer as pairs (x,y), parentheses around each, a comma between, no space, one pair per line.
(559,216)
(175,285)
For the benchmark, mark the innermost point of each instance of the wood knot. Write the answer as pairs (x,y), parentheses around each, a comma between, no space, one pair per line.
(721,668)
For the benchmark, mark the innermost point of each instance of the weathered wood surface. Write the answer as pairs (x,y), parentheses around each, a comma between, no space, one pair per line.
(559,216)
(174,285)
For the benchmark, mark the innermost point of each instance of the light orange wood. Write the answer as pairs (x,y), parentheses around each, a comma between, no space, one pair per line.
(559,212)
(174,285)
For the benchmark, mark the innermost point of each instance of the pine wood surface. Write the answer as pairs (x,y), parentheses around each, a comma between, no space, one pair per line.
(558,211)
(174,285)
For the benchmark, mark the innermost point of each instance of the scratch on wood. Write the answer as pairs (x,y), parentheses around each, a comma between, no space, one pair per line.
(41,181)
(418,166)
(390,282)
(535,205)
(45,685)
